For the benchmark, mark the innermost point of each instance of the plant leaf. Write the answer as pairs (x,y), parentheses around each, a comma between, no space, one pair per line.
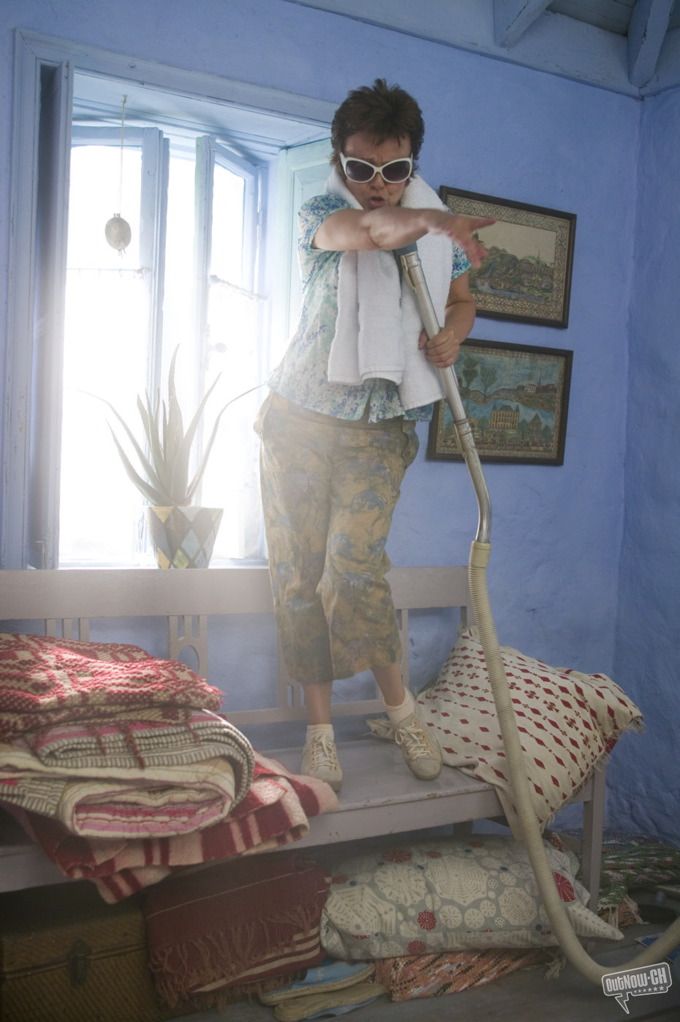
(149,416)
(193,485)
(178,446)
(146,465)
(163,475)
(154,496)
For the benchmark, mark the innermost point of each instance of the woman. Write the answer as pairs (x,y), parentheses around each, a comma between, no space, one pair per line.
(338,429)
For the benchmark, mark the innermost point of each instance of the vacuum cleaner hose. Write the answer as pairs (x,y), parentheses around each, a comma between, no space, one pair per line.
(529,826)
(480,553)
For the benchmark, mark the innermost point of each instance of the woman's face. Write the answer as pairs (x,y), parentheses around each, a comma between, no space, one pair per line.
(376,192)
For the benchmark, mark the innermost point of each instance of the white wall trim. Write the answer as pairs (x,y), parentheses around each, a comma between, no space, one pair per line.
(192,83)
(20,348)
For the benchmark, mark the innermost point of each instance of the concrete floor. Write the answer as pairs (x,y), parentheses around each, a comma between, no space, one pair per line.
(521,996)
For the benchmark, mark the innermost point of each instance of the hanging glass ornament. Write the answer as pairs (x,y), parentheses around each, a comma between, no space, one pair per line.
(117,231)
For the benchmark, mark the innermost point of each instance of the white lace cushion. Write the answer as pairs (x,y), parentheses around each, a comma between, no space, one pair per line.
(447,895)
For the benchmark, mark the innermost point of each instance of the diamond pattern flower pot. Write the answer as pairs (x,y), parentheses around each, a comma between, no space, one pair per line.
(184,537)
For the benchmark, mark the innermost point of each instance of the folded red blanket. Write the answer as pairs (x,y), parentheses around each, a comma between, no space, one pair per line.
(274,812)
(44,680)
(245,920)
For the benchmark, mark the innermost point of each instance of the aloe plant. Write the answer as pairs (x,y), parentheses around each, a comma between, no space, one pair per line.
(162,475)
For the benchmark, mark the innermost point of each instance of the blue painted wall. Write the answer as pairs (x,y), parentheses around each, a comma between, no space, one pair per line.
(646,780)
(498,129)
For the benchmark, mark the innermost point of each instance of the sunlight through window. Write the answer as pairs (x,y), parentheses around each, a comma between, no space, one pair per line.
(109,356)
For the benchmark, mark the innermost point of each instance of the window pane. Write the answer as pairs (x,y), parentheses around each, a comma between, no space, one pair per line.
(234,316)
(105,356)
(179,314)
(231,480)
(107,352)
(226,257)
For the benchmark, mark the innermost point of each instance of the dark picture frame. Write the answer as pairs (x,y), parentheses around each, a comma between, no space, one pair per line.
(526,276)
(516,399)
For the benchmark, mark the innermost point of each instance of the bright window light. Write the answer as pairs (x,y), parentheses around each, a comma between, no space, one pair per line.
(105,358)
(108,351)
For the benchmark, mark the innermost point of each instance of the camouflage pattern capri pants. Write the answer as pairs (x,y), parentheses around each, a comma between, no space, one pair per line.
(329,489)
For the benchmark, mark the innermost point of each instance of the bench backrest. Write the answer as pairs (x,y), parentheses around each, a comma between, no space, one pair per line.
(65,601)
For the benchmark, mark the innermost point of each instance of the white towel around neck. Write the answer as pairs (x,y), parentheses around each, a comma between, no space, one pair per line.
(378,323)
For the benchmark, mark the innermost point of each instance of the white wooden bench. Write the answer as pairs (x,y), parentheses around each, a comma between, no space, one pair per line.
(379,795)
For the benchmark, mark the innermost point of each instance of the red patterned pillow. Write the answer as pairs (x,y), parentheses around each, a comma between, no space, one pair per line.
(567,721)
(44,680)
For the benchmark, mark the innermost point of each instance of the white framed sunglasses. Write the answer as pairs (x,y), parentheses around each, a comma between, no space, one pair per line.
(394,172)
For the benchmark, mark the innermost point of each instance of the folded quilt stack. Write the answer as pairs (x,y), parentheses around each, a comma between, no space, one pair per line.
(274,813)
(119,766)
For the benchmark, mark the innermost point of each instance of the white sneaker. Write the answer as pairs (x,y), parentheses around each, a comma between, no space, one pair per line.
(320,760)
(420,749)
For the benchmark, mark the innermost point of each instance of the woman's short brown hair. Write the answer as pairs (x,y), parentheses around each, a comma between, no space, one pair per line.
(381,110)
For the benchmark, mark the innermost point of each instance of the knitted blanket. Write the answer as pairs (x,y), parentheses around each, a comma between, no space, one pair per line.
(245,920)
(44,681)
(275,812)
(154,737)
(126,803)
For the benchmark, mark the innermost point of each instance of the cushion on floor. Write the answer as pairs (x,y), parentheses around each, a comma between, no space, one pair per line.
(445,895)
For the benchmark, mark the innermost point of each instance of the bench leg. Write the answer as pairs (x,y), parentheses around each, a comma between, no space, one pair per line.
(593,835)
(463,830)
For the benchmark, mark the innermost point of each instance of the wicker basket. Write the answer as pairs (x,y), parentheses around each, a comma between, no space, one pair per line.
(66,956)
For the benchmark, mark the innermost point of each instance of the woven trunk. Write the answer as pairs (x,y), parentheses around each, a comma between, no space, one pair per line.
(66,956)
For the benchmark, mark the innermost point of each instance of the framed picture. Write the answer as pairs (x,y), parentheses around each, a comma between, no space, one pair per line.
(516,399)
(527,273)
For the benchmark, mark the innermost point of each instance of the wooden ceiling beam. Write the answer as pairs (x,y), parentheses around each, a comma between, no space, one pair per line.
(512,18)
(646,33)
(557,43)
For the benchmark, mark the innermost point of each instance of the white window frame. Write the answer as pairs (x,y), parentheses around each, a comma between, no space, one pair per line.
(155,162)
(210,153)
(34,353)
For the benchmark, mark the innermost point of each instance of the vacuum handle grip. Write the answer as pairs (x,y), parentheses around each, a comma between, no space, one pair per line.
(405,250)
(412,269)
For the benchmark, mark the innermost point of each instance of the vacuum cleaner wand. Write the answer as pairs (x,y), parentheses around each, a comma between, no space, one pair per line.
(412,271)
